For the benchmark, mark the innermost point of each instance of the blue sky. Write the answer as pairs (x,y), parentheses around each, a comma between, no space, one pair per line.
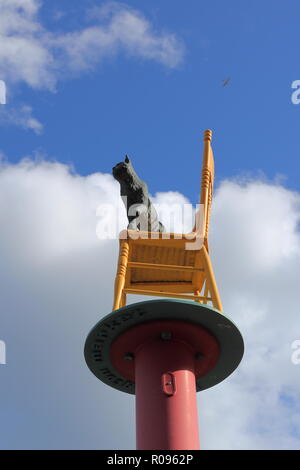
(157,114)
(87,82)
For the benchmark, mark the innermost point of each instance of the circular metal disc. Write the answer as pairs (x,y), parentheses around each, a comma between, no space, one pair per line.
(99,340)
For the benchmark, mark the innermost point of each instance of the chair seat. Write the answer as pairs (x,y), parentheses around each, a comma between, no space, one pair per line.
(154,264)
(161,256)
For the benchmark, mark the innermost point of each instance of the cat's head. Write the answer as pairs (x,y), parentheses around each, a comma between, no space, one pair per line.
(122,170)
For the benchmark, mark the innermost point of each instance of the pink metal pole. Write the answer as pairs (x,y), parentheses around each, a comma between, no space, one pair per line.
(166,406)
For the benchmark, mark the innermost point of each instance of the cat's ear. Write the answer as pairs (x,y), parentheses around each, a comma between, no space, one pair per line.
(126,159)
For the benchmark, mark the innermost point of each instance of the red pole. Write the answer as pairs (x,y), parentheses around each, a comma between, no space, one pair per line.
(163,351)
(166,406)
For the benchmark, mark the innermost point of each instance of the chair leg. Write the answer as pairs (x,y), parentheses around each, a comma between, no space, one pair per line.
(123,299)
(206,292)
(210,281)
(121,273)
(197,292)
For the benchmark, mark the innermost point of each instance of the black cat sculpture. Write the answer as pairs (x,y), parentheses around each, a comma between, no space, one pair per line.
(141,213)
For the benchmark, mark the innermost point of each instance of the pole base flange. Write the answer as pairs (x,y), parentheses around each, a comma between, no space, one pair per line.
(100,353)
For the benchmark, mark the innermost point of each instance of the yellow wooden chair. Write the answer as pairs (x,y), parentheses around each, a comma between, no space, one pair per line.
(160,264)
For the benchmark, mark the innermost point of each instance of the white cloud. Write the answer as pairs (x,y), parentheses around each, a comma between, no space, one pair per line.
(56,281)
(20,117)
(256,253)
(135,34)
(23,53)
(38,57)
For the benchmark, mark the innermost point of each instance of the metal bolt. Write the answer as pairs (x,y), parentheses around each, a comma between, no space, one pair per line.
(166,335)
(199,356)
(128,357)
(224,325)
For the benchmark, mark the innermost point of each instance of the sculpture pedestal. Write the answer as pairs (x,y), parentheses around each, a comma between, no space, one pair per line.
(164,351)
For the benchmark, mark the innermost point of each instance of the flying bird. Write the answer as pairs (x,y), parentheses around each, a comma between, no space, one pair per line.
(226,81)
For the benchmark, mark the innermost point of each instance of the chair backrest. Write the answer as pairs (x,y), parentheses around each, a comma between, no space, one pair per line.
(207,183)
